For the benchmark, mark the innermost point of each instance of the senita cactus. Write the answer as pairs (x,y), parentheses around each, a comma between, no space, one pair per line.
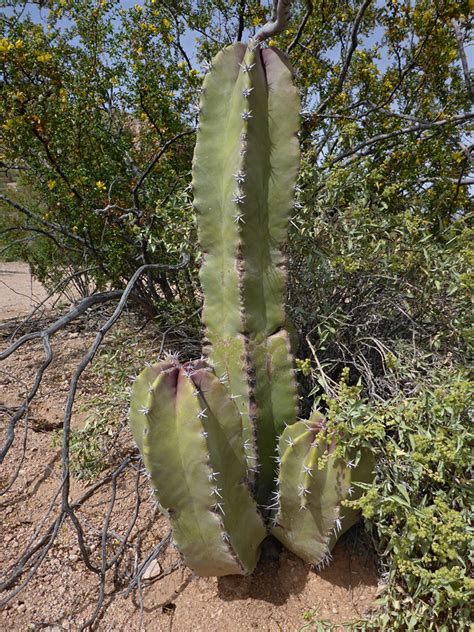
(226,456)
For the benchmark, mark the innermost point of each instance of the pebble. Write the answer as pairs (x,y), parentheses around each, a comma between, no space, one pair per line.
(153,570)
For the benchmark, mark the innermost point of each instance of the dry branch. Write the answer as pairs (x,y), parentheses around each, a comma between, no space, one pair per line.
(26,565)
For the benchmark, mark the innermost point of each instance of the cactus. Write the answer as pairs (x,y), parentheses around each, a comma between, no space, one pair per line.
(207,430)
(244,173)
(313,481)
(189,432)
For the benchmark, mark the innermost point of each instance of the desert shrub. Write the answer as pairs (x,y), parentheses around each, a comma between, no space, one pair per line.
(418,510)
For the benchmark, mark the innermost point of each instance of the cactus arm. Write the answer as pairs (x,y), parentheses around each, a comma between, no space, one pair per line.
(244,171)
(271,164)
(216,162)
(141,399)
(313,481)
(193,449)
(275,400)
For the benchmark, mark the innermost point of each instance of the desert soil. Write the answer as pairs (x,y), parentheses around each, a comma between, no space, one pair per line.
(282,594)
(19,292)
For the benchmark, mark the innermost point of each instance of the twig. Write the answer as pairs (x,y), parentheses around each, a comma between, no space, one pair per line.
(240,29)
(348,58)
(153,162)
(301,27)
(463,58)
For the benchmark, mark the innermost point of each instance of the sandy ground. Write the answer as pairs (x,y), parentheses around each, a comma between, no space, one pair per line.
(19,292)
(282,594)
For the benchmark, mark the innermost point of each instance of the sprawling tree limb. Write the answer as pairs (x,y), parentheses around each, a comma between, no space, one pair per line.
(44,222)
(38,546)
(420,127)
(48,355)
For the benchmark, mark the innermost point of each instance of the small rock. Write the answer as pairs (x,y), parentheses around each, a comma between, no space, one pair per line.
(152,570)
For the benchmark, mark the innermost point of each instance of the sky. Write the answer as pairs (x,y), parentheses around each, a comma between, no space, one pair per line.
(189,37)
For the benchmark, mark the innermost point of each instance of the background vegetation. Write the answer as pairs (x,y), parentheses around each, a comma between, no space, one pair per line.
(98,114)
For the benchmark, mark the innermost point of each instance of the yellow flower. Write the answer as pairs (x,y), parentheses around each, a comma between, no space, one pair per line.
(100,185)
(182,64)
(20,96)
(44,57)
(8,124)
(256,21)
(51,184)
(166,23)
(5,45)
(19,43)
(272,42)
(138,7)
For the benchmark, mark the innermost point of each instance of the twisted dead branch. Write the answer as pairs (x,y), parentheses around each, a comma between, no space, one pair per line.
(61,508)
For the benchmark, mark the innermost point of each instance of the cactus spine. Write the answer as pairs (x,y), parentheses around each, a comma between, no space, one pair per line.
(208,431)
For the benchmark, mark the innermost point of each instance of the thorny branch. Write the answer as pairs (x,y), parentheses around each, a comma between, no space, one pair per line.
(61,507)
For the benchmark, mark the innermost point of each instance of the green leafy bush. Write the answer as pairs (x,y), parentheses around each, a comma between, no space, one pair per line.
(418,510)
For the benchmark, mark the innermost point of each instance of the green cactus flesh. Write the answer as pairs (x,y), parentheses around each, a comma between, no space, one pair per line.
(312,483)
(244,172)
(191,436)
